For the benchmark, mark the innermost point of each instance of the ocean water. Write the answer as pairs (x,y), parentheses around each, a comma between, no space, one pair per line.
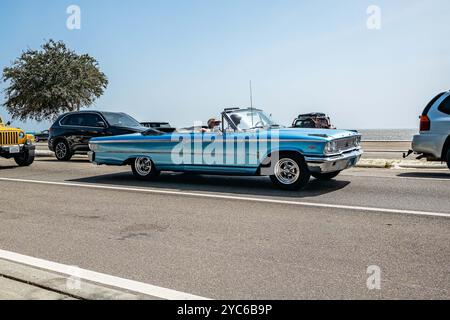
(388,134)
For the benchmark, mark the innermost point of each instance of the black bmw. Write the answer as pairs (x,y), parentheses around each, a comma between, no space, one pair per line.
(71,132)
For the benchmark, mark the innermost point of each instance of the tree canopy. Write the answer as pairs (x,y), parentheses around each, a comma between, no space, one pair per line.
(47,82)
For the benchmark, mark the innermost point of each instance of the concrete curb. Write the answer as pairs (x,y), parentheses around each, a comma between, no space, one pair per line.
(44,282)
(399,164)
(11,289)
(44,153)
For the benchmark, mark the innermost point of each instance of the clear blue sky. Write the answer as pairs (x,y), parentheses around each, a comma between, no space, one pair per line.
(185,60)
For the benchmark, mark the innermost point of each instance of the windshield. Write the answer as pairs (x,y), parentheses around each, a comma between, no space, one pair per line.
(251,119)
(120,120)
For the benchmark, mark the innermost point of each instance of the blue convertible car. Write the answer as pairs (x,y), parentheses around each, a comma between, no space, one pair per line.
(244,142)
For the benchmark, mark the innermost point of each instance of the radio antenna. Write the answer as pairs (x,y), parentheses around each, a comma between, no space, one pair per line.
(251,101)
(251,95)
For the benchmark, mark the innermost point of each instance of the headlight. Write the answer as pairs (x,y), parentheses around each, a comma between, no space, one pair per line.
(21,135)
(331,147)
(93,146)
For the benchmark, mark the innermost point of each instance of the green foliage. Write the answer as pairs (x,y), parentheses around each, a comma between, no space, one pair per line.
(51,81)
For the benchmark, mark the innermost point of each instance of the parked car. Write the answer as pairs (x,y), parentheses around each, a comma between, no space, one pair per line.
(316,120)
(161,126)
(433,141)
(41,136)
(71,132)
(16,144)
(248,143)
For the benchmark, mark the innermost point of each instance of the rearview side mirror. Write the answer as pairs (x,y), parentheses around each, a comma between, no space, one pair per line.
(8,123)
(101,124)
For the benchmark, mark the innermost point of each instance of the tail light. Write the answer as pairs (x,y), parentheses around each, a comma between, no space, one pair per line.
(425,123)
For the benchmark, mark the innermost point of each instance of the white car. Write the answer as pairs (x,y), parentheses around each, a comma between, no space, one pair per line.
(433,142)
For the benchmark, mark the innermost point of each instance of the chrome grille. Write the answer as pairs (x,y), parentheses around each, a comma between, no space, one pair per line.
(9,138)
(347,144)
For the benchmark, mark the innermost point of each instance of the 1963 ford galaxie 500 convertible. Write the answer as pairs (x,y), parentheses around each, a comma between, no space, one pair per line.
(244,142)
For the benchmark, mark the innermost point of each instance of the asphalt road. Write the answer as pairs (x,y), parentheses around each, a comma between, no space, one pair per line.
(386,149)
(236,237)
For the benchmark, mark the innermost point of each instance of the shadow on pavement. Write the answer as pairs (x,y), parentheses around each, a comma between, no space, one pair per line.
(425,175)
(50,159)
(8,167)
(259,186)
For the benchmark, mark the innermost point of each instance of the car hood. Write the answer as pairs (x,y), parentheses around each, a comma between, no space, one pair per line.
(9,129)
(328,134)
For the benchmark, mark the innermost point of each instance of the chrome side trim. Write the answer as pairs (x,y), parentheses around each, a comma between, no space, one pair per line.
(149,152)
(218,141)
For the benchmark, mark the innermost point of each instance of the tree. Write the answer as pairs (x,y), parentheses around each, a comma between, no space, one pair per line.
(51,81)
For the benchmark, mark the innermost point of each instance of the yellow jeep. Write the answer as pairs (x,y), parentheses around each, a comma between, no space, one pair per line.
(15,143)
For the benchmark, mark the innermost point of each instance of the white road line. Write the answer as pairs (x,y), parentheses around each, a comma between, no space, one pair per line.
(99,278)
(229,197)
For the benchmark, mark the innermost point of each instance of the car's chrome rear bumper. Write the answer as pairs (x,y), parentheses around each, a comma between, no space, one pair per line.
(334,163)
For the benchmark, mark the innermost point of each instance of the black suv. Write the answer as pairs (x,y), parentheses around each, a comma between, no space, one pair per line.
(72,131)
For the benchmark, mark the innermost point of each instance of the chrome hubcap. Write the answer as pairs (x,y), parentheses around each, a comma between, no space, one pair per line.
(143,166)
(61,150)
(287,171)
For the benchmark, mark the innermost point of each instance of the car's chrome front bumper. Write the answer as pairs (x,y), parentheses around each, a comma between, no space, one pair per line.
(91,156)
(334,163)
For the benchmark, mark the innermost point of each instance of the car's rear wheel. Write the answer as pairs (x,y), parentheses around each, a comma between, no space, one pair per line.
(325,176)
(25,159)
(144,169)
(62,151)
(448,158)
(290,172)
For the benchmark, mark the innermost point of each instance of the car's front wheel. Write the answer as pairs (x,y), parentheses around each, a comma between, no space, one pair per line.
(62,151)
(144,169)
(325,176)
(290,172)
(25,159)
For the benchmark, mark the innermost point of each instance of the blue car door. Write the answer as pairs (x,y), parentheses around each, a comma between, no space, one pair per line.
(241,150)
